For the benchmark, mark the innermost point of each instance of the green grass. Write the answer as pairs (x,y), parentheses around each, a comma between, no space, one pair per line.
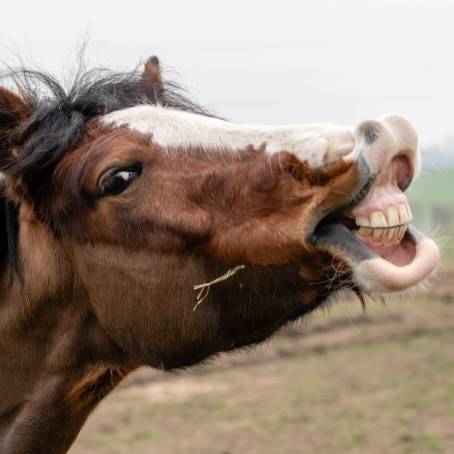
(432,198)
(433,187)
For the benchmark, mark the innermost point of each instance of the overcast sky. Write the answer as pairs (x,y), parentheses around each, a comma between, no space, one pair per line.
(284,61)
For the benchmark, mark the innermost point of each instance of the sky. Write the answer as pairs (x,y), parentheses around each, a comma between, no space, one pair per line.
(269,62)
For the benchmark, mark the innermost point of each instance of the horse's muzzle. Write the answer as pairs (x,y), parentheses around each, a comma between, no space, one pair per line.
(372,230)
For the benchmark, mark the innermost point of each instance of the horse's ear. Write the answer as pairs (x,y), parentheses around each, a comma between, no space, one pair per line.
(13,110)
(151,76)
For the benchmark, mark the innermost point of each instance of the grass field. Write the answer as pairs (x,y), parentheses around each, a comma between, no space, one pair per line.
(432,199)
(433,186)
(343,381)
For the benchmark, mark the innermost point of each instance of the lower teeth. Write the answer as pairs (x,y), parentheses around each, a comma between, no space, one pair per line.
(389,234)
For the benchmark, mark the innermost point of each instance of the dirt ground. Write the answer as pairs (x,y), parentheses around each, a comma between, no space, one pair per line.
(342,381)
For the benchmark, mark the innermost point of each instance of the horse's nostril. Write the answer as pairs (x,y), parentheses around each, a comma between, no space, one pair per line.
(369,131)
(370,134)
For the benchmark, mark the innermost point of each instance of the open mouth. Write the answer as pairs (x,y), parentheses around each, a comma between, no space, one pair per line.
(373,232)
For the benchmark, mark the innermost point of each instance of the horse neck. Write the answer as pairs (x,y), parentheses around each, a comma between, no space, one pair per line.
(55,362)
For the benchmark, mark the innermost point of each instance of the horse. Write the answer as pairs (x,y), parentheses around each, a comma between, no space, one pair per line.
(140,229)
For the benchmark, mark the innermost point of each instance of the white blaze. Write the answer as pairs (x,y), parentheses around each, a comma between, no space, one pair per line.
(316,143)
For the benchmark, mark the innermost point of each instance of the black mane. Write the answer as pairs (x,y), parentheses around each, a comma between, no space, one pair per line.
(56,125)
(58,115)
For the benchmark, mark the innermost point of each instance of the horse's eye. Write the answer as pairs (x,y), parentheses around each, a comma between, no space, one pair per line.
(117,180)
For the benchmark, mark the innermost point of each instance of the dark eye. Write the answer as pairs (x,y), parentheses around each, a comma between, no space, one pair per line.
(117,180)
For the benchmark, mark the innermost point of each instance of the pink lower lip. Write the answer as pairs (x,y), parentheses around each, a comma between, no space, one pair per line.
(417,261)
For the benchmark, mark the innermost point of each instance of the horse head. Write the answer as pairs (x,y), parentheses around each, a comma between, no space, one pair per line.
(147,231)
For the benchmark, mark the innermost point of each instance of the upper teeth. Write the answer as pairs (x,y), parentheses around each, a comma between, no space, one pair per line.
(387,225)
(393,217)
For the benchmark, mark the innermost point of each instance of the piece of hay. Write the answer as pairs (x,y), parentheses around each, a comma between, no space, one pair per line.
(204,288)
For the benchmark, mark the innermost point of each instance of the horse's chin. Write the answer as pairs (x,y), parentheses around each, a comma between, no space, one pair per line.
(377,270)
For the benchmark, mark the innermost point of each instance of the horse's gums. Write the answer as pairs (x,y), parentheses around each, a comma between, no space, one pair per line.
(106,276)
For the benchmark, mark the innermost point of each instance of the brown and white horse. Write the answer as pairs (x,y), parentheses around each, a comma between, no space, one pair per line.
(137,229)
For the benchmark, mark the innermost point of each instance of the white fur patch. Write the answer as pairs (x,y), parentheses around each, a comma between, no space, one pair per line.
(183,130)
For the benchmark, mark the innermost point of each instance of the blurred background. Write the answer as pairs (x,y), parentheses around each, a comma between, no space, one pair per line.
(379,381)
